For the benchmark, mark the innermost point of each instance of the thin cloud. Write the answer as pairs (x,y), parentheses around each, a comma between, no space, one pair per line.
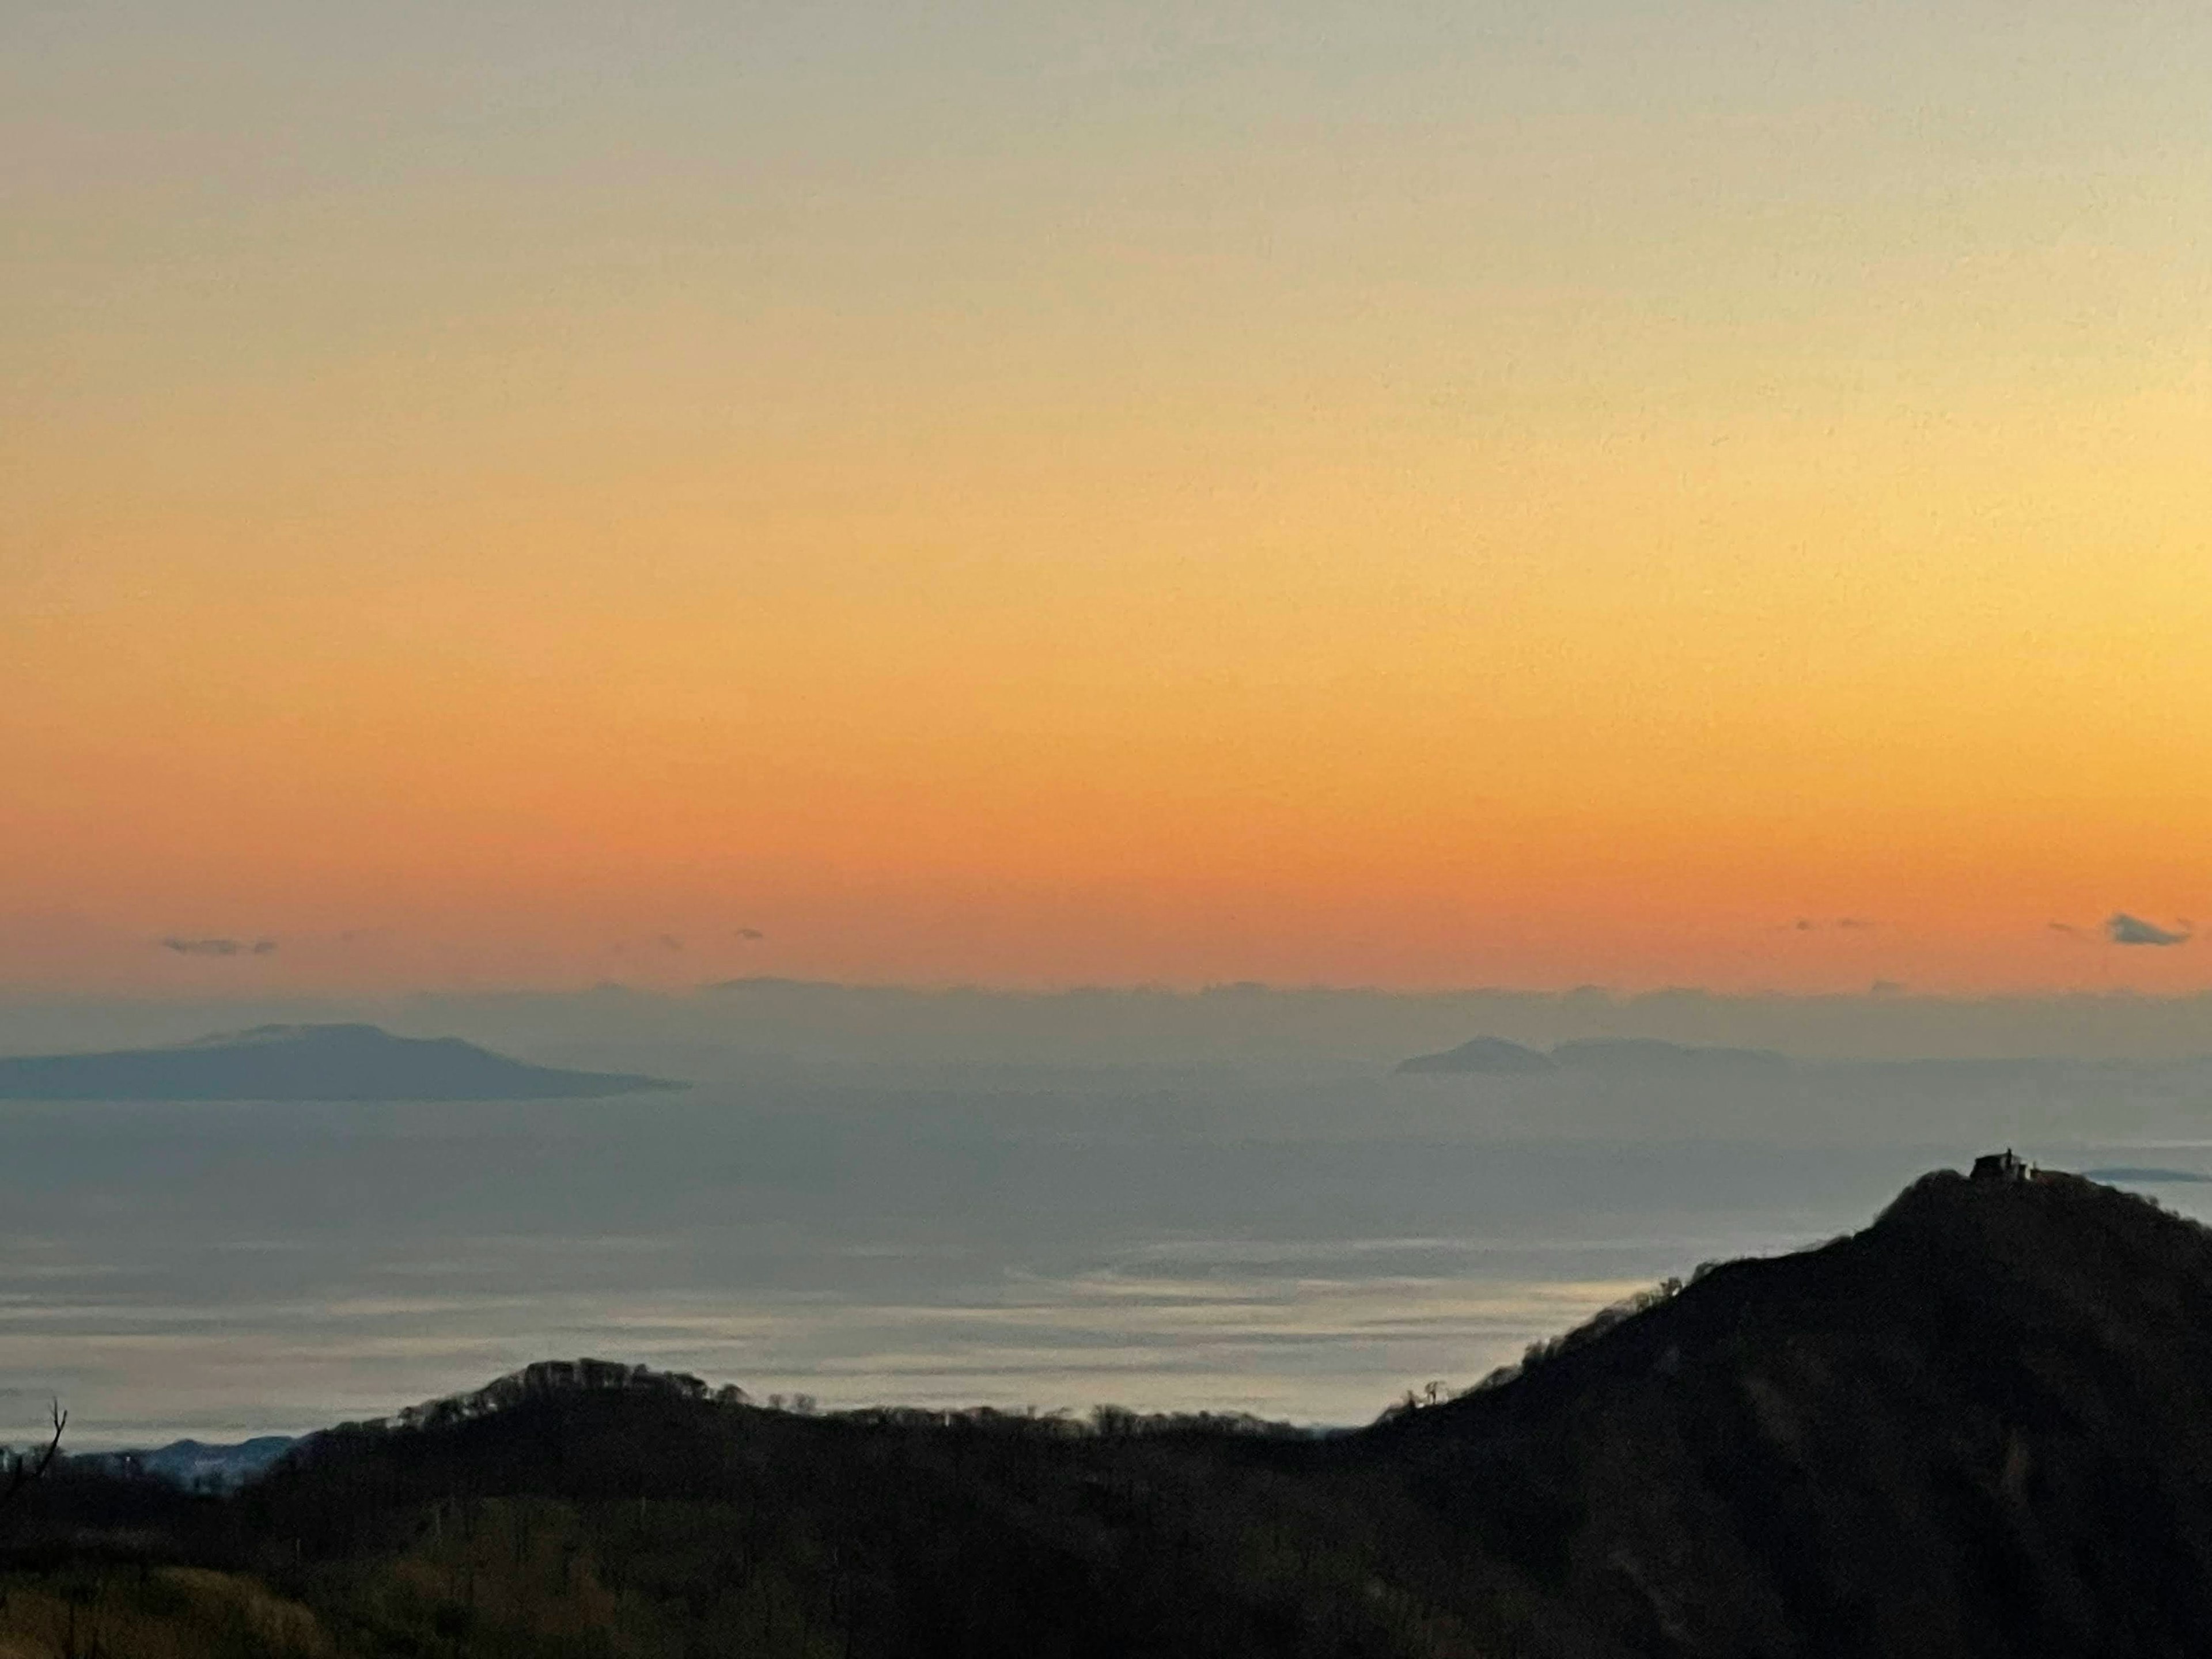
(749,933)
(2121,928)
(219,947)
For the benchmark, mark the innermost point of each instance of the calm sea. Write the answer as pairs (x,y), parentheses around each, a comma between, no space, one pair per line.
(1302,1247)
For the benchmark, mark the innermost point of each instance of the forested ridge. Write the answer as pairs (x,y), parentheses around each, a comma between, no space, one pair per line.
(1983,1425)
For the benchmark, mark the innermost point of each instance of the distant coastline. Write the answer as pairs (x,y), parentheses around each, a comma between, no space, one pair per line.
(1490,1056)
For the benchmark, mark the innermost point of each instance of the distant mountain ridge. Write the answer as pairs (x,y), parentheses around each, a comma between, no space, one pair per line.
(196,1465)
(1489,1056)
(332,1062)
(1484,1056)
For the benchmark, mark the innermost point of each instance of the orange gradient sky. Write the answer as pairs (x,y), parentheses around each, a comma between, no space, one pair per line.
(1396,494)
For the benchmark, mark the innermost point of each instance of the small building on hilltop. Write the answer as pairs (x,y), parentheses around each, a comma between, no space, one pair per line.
(2006,1165)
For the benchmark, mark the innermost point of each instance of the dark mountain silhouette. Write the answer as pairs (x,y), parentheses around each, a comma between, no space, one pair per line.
(1484,1056)
(197,1466)
(1982,1426)
(306,1063)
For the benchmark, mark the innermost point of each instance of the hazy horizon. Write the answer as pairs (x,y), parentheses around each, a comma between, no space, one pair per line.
(1140,1023)
(1215,1201)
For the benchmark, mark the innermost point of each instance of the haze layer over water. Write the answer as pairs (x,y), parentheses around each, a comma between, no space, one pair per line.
(1304,1237)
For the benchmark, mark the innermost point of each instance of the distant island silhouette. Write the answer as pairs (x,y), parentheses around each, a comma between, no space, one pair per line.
(1489,1056)
(333,1062)
(1484,1056)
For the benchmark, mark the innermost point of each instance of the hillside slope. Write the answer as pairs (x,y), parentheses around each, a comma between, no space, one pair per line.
(1981,1426)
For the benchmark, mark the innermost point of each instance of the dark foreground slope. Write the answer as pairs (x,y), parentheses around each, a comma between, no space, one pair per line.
(1982,1426)
(306,1063)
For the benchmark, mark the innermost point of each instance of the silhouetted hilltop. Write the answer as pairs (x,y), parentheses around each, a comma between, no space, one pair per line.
(1981,1426)
(306,1063)
(553,1379)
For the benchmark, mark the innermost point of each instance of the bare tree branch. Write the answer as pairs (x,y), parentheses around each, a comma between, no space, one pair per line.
(22,1469)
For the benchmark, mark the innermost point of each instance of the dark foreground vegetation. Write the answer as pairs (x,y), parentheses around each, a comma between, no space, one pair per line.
(1982,1426)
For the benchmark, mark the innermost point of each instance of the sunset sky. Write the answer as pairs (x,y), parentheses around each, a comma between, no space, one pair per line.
(1398,492)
